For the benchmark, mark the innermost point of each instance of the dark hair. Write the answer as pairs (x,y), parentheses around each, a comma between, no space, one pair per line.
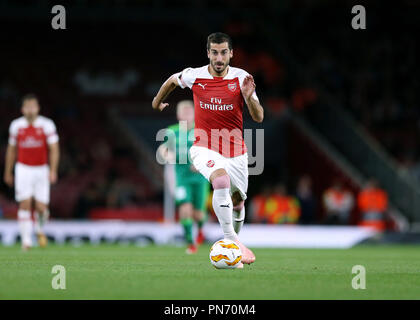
(29,96)
(219,37)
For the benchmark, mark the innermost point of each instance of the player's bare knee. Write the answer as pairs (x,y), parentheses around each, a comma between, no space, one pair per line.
(198,215)
(185,211)
(221,182)
(237,199)
(25,205)
(217,173)
(40,207)
(238,206)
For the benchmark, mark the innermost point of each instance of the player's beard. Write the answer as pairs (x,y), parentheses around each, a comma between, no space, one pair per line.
(31,117)
(219,71)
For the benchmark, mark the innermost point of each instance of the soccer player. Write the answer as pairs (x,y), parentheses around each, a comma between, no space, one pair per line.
(192,189)
(30,138)
(219,152)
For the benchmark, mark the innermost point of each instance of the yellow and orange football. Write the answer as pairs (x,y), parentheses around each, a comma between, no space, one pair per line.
(225,254)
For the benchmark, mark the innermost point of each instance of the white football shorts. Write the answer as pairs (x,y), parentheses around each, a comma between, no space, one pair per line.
(206,161)
(32,181)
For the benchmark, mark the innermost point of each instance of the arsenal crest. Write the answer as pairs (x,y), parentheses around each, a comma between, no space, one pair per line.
(210,163)
(232,86)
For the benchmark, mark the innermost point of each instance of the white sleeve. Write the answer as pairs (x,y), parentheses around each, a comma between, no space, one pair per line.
(241,81)
(186,78)
(13,131)
(51,132)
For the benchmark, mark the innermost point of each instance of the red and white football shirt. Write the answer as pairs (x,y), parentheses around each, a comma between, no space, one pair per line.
(218,105)
(32,139)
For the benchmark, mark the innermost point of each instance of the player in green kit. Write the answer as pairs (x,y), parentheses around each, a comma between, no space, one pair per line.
(192,189)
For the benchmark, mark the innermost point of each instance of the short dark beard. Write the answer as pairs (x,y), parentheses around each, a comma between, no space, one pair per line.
(31,118)
(219,72)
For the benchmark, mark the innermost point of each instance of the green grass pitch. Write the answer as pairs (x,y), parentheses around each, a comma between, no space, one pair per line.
(131,272)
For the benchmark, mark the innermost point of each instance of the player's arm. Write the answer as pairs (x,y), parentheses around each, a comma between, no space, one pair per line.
(10,162)
(255,109)
(167,87)
(54,156)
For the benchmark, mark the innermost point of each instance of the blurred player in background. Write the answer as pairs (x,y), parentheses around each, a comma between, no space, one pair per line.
(219,152)
(30,138)
(191,189)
